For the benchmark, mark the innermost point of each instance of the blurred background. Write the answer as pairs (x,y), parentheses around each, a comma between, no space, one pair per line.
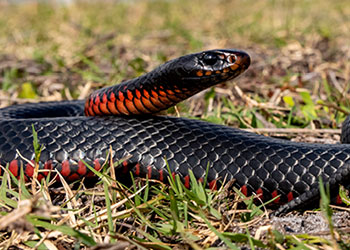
(299,77)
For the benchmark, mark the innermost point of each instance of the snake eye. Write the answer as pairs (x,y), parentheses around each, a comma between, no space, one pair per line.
(210,58)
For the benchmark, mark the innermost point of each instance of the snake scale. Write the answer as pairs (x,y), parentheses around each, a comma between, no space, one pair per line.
(266,166)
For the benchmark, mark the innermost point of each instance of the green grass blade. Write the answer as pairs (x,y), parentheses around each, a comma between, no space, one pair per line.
(63,229)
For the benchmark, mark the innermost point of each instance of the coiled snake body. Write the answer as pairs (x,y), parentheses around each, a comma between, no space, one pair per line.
(263,165)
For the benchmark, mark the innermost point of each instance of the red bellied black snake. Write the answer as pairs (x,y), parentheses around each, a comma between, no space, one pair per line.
(262,165)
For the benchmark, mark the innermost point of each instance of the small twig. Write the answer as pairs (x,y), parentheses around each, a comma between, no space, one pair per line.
(177,111)
(333,106)
(336,84)
(252,103)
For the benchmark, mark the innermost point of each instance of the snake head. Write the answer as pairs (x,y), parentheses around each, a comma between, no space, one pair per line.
(212,66)
(196,72)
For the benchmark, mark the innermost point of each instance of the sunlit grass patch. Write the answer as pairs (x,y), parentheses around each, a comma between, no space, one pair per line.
(155,216)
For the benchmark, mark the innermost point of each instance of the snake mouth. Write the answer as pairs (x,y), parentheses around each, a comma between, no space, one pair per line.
(243,60)
(237,62)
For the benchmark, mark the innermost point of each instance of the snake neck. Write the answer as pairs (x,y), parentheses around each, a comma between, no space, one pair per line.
(150,93)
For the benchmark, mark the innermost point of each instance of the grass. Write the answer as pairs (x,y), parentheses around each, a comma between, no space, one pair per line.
(153,216)
(299,78)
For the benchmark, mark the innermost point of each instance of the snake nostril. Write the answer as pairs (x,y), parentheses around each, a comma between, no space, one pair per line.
(232,59)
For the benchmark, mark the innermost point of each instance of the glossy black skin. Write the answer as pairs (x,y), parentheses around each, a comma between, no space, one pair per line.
(254,161)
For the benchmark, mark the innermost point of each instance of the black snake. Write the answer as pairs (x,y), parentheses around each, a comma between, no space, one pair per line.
(258,164)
